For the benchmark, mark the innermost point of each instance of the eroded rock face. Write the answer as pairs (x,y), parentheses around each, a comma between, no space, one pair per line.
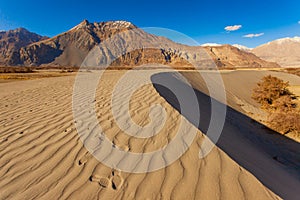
(149,56)
(11,42)
(37,54)
(229,56)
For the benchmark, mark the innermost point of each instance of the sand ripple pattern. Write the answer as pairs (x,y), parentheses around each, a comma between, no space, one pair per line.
(42,157)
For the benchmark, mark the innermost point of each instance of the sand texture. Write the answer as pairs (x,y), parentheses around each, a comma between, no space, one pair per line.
(42,156)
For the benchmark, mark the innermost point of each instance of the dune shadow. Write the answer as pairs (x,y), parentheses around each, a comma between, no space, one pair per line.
(272,158)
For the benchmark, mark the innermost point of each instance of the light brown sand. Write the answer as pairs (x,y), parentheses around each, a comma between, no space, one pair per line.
(248,81)
(42,157)
(270,156)
(239,85)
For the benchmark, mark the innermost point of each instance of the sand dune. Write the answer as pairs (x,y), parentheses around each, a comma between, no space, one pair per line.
(42,157)
(271,157)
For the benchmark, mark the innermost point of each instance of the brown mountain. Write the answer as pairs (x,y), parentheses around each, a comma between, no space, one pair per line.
(284,51)
(230,56)
(11,41)
(70,48)
(123,44)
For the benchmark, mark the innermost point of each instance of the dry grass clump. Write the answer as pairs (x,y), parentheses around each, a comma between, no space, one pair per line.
(16,69)
(270,89)
(273,95)
(295,71)
(285,123)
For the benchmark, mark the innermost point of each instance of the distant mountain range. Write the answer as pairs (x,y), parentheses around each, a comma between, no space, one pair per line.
(21,47)
(285,51)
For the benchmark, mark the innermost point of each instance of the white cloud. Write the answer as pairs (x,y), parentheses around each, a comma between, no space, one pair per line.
(252,35)
(298,22)
(233,28)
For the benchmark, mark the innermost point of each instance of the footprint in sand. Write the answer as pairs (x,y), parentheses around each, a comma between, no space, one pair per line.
(102,181)
(84,159)
(3,140)
(68,130)
(94,178)
(116,180)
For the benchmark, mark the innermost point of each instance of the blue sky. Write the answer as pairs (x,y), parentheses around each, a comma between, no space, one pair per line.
(204,21)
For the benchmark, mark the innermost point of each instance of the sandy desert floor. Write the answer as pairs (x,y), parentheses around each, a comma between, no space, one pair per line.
(42,156)
(239,85)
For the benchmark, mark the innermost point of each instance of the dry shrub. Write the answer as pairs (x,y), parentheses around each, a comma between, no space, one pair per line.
(16,69)
(285,122)
(270,89)
(273,96)
(284,104)
(295,71)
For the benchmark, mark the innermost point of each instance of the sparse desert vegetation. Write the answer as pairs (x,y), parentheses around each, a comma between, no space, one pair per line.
(16,69)
(295,71)
(274,96)
(28,73)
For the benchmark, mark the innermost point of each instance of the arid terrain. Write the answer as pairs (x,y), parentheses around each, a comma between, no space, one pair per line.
(43,157)
(50,141)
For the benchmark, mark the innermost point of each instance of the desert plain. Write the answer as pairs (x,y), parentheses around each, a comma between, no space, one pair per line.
(43,157)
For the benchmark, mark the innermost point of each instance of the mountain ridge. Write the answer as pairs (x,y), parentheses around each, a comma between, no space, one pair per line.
(284,51)
(71,47)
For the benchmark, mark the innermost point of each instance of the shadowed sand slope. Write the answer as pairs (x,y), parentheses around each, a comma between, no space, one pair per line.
(42,157)
(272,158)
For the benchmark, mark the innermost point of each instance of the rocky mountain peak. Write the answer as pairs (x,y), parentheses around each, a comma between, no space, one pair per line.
(84,24)
(21,29)
(119,24)
(102,26)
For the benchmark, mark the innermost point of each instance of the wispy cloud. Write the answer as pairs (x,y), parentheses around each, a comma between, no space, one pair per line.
(233,28)
(253,35)
(298,22)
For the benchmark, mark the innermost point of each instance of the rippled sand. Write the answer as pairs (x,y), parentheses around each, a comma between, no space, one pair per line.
(42,156)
